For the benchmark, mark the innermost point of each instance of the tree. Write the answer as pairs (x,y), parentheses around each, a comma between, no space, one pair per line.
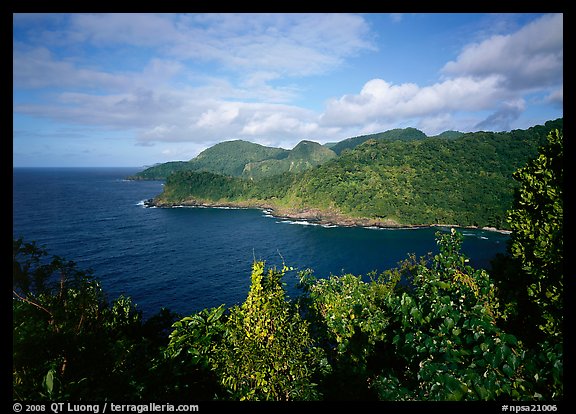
(444,338)
(261,350)
(536,220)
(349,321)
(268,352)
(69,342)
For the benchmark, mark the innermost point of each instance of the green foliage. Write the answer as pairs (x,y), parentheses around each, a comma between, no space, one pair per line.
(68,341)
(305,155)
(432,329)
(191,355)
(449,135)
(352,312)
(161,171)
(402,134)
(261,350)
(203,185)
(231,157)
(267,353)
(465,181)
(350,322)
(445,338)
(530,278)
(537,222)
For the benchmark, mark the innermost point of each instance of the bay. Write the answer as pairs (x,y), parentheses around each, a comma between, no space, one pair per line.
(188,259)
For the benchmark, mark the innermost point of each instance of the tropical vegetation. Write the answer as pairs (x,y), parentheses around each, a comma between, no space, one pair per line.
(433,328)
(464,180)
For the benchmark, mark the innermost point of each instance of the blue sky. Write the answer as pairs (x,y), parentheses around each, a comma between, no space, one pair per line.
(138,89)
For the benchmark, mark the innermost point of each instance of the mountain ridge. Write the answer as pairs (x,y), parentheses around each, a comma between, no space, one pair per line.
(465,181)
(257,160)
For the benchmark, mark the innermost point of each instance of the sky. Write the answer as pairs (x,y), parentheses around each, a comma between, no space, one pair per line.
(103,90)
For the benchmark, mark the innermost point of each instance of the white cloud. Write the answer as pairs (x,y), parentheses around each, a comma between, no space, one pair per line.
(37,68)
(381,101)
(224,115)
(528,59)
(287,44)
(491,75)
(224,76)
(173,97)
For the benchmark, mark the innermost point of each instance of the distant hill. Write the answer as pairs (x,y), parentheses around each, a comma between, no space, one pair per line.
(239,158)
(303,156)
(449,135)
(228,158)
(161,171)
(402,134)
(231,157)
(244,159)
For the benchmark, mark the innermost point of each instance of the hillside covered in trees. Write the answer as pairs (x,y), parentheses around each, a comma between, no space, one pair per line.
(451,333)
(396,178)
(244,159)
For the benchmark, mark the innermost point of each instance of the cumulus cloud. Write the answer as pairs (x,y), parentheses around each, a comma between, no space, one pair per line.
(380,100)
(491,75)
(528,59)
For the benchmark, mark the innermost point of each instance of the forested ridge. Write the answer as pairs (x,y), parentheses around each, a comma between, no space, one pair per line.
(455,178)
(245,159)
(431,329)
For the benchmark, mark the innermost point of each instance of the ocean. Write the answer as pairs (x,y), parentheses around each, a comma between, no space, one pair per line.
(188,259)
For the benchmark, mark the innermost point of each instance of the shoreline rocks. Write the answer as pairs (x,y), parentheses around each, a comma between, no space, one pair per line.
(314,215)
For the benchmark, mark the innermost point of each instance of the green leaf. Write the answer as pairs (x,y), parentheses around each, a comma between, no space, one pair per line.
(49,381)
(513,361)
(456,389)
(507,369)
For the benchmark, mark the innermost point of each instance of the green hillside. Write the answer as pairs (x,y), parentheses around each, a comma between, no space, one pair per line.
(449,135)
(303,156)
(161,171)
(465,181)
(403,134)
(231,157)
(244,159)
(240,158)
(228,158)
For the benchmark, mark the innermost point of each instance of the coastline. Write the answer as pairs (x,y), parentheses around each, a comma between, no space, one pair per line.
(312,215)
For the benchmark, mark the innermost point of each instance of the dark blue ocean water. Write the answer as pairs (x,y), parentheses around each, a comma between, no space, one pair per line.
(187,259)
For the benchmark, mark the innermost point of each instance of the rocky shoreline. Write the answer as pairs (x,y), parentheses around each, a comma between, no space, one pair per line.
(313,215)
